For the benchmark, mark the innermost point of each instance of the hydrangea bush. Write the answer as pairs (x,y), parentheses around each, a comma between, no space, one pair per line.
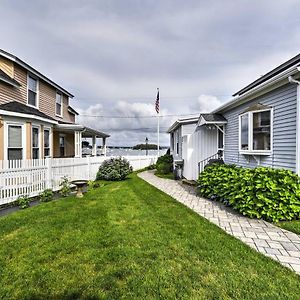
(271,194)
(114,169)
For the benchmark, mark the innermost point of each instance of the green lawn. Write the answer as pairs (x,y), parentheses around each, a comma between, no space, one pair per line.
(166,176)
(293,226)
(127,240)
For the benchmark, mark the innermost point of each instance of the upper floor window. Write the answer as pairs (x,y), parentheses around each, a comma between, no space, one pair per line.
(59,104)
(256,132)
(32,91)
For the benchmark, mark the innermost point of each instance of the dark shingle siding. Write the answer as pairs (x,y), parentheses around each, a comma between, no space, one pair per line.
(213,118)
(6,78)
(18,107)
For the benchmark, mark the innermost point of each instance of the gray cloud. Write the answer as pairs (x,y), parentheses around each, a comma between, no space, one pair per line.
(114,54)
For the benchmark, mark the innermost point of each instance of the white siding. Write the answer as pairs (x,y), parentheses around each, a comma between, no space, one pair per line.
(197,147)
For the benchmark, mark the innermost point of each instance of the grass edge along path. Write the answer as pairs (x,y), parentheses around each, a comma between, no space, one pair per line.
(293,226)
(130,240)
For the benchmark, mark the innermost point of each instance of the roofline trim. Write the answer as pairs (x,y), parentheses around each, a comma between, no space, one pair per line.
(279,69)
(27,116)
(34,71)
(17,85)
(79,127)
(72,111)
(243,98)
(179,122)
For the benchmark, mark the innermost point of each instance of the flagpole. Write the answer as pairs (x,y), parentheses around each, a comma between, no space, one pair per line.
(158,128)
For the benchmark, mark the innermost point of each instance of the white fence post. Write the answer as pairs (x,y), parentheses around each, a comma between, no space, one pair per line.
(89,167)
(48,164)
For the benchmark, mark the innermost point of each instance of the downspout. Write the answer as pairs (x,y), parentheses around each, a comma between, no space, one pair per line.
(292,80)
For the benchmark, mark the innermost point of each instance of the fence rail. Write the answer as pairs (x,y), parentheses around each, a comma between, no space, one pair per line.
(30,177)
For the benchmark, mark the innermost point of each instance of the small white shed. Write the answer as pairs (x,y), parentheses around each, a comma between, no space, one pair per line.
(193,141)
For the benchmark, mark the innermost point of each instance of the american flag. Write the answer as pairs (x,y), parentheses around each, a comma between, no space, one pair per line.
(157,102)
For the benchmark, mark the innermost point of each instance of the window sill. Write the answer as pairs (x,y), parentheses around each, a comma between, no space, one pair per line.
(60,116)
(33,106)
(266,153)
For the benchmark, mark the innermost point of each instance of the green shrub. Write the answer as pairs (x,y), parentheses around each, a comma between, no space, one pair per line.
(167,158)
(151,167)
(164,164)
(65,187)
(114,169)
(46,195)
(94,184)
(271,194)
(23,202)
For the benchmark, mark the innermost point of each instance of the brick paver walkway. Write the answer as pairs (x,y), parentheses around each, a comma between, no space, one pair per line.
(277,243)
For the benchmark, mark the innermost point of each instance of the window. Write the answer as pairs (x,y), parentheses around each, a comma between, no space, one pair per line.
(32,91)
(15,148)
(177,142)
(62,146)
(221,138)
(262,130)
(256,132)
(46,142)
(59,104)
(35,143)
(244,132)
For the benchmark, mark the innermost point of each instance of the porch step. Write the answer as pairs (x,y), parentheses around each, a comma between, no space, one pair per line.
(189,182)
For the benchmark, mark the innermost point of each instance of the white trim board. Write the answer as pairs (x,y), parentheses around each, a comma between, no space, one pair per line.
(27,116)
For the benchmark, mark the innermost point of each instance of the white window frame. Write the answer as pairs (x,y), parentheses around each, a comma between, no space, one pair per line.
(50,142)
(223,128)
(61,104)
(38,127)
(64,136)
(37,91)
(177,142)
(250,151)
(24,144)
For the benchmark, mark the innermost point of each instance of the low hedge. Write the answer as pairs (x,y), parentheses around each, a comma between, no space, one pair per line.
(271,194)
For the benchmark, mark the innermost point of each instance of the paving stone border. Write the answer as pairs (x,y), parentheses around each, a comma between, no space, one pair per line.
(279,244)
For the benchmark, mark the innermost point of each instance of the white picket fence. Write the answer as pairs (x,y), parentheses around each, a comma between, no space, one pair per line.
(30,177)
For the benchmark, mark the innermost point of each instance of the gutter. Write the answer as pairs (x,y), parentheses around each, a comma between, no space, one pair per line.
(294,81)
(247,96)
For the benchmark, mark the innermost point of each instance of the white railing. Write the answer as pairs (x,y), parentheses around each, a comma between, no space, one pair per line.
(30,177)
(204,162)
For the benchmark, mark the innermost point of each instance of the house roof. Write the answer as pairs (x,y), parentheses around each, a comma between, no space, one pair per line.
(7,79)
(286,65)
(274,79)
(213,118)
(179,122)
(72,111)
(86,131)
(89,132)
(33,71)
(217,119)
(21,108)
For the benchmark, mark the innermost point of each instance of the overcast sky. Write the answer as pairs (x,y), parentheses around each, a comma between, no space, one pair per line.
(112,55)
